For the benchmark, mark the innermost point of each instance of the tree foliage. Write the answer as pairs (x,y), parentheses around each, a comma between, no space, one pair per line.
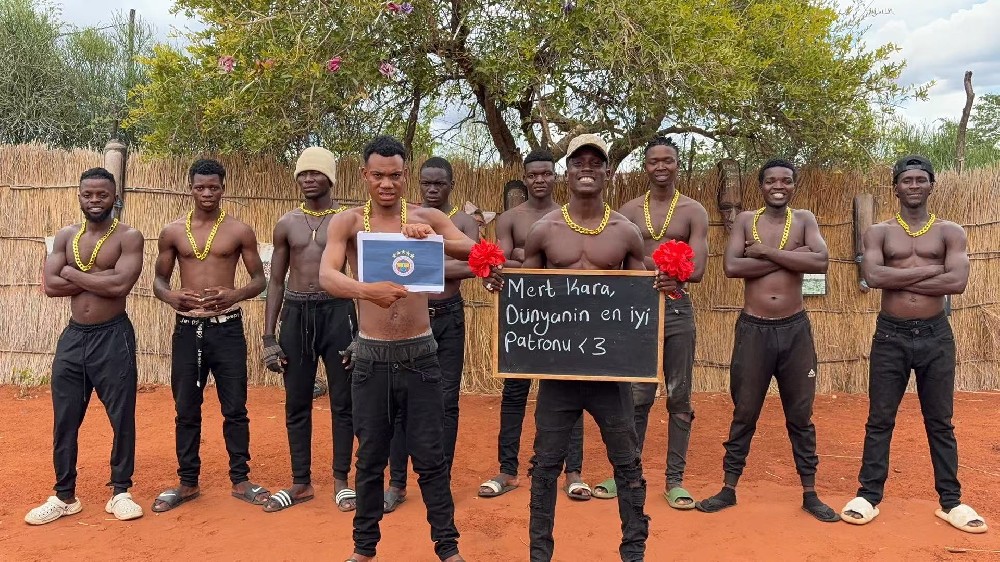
(775,76)
(61,85)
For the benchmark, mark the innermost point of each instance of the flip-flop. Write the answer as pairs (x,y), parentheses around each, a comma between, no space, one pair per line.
(172,498)
(344,495)
(678,493)
(495,487)
(250,493)
(391,500)
(607,490)
(577,486)
(282,500)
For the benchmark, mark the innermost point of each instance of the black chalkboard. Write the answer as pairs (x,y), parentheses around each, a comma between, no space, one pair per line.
(579,325)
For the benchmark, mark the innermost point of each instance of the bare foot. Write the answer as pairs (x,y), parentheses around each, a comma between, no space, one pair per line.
(298,493)
(360,558)
(260,495)
(506,483)
(575,478)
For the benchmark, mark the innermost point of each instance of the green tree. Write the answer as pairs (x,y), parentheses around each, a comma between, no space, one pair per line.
(765,75)
(62,85)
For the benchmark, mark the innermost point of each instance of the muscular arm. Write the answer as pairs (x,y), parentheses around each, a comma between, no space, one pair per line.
(53,283)
(734,264)
(698,240)
(956,268)
(164,269)
(255,266)
(880,276)
(276,285)
(332,278)
(117,282)
(505,237)
(534,254)
(457,269)
(811,258)
(456,244)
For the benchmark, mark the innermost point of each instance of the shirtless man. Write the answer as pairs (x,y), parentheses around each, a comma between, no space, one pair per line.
(90,353)
(585,234)
(314,326)
(916,259)
(512,230)
(207,246)
(664,214)
(395,369)
(771,249)
(447,312)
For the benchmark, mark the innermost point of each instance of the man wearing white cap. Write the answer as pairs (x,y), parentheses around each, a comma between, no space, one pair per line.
(314,326)
(585,234)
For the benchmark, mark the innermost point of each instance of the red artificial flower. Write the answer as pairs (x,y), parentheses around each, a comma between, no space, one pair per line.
(675,258)
(484,257)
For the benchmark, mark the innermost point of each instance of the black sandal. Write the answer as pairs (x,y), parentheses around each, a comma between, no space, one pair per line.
(172,498)
(250,494)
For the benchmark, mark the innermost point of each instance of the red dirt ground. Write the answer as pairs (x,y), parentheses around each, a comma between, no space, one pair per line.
(767,523)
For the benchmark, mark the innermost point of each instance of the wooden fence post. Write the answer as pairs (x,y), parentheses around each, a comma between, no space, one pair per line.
(114,161)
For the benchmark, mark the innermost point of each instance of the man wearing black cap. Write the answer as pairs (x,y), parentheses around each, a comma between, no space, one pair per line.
(917,260)
(584,234)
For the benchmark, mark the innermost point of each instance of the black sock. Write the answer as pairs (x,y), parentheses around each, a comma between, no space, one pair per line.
(66,497)
(810,499)
(726,495)
(118,490)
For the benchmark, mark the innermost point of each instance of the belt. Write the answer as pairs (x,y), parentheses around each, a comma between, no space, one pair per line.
(220,319)
(455,306)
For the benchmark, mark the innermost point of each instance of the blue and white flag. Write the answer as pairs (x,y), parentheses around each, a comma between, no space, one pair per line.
(416,264)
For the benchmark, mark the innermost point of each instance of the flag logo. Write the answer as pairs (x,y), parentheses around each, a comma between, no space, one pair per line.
(402,263)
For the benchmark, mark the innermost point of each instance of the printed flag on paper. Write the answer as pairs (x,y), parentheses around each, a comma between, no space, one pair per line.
(416,264)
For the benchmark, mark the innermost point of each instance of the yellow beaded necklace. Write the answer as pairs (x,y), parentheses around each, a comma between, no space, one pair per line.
(97,248)
(587,231)
(211,236)
(324,212)
(368,214)
(922,231)
(670,214)
(784,235)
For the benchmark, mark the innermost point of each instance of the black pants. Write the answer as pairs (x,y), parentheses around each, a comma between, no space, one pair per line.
(926,347)
(400,380)
(201,345)
(678,365)
(560,406)
(784,349)
(448,327)
(512,406)
(92,357)
(316,326)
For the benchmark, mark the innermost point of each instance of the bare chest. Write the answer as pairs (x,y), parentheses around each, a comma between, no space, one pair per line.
(900,247)
(567,249)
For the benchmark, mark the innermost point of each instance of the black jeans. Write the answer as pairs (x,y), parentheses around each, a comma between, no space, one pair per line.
(316,326)
(393,380)
(94,357)
(678,365)
(512,406)
(782,348)
(448,327)
(201,345)
(560,406)
(926,347)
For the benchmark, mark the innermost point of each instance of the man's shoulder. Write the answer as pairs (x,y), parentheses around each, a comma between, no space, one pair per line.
(950,227)
(633,203)
(803,214)
(129,232)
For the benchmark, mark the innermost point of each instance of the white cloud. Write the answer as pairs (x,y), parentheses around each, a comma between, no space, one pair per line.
(99,12)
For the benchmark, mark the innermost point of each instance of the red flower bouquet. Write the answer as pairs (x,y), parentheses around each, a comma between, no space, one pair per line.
(676,259)
(484,256)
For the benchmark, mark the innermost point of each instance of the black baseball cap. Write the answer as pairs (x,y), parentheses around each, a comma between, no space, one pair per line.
(912,162)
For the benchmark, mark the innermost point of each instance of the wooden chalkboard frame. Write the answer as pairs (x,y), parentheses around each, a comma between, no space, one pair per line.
(661,310)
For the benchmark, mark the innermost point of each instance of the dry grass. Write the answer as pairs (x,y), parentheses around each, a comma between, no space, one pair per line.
(37,189)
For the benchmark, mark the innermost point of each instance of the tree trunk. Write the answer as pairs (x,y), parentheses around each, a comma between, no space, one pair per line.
(411,122)
(963,125)
(503,139)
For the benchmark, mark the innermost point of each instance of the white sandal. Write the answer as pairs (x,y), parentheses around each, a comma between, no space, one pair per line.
(52,509)
(960,517)
(123,507)
(862,507)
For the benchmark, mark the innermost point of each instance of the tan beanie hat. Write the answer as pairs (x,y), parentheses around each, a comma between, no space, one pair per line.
(318,159)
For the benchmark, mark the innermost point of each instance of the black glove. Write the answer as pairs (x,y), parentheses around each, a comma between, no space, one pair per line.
(274,357)
(348,354)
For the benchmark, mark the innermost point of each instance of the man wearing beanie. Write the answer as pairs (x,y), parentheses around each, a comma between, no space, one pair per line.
(917,260)
(314,326)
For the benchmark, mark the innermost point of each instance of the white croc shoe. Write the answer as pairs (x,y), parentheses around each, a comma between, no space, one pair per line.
(123,507)
(52,509)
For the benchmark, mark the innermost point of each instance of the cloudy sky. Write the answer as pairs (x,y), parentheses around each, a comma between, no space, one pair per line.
(940,40)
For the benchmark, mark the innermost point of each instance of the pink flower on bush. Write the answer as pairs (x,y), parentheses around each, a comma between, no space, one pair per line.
(333,65)
(226,64)
(393,7)
(386,69)
(404,8)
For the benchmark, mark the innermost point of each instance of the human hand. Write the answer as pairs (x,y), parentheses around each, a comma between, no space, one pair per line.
(665,283)
(756,250)
(219,298)
(274,357)
(384,293)
(417,230)
(348,355)
(494,281)
(185,300)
